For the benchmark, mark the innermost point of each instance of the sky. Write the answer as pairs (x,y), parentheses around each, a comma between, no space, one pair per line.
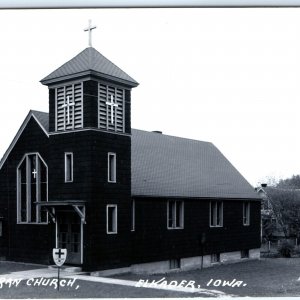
(229,76)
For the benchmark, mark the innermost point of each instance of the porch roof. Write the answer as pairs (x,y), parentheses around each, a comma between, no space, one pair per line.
(77,205)
(54,203)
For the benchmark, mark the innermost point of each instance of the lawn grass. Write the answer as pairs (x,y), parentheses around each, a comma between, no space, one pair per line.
(264,278)
(86,289)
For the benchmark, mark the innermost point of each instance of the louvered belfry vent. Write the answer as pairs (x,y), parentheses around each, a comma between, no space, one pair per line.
(69,107)
(111,108)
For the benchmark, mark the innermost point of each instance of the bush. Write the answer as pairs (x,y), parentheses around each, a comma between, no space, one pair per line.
(285,249)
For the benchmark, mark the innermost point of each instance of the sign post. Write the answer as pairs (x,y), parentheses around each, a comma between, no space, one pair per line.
(59,257)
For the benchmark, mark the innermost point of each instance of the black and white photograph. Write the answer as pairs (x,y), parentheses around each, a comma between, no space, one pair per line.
(150,152)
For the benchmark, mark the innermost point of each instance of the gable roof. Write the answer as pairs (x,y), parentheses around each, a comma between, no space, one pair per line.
(40,117)
(165,165)
(89,62)
(169,166)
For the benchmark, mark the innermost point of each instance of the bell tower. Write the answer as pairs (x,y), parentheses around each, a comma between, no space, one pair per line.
(89,91)
(90,150)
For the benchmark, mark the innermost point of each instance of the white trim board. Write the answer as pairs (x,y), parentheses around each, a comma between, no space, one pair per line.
(17,136)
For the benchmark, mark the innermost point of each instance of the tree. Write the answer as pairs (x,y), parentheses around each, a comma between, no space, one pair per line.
(286,207)
(290,183)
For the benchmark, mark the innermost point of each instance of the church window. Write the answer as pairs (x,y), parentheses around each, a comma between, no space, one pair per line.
(216,213)
(175,214)
(68,167)
(69,107)
(112,176)
(32,187)
(246,213)
(111,108)
(111,218)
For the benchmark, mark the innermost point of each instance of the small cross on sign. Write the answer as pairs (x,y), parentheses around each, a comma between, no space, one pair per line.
(59,253)
(67,105)
(89,29)
(112,105)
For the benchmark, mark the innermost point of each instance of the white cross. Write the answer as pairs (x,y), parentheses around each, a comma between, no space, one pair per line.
(89,29)
(112,105)
(34,172)
(67,105)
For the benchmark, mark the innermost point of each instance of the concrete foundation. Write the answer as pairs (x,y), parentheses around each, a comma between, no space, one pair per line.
(254,253)
(230,257)
(151,268)
(187,263)
(192,263)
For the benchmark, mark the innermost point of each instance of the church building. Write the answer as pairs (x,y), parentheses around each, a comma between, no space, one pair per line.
(80,178)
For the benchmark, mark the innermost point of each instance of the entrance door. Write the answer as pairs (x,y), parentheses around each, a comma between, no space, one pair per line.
(69,236)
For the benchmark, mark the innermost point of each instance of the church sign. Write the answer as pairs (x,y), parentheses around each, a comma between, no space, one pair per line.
(59,256)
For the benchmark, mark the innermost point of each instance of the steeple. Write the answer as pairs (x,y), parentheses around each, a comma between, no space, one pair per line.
(89,91)
(89,62)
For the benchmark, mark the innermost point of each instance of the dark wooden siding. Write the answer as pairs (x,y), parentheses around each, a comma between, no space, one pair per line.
(152,241)
(128,111)
(51,109)
(23,242)
(90,151)
(109,250)
(90,103)
(4,210)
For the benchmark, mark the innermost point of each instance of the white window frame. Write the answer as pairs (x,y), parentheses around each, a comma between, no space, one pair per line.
(72,167)
(132,215)
(38,209)
(213,223)
(246,213)
(114,155)
(181,203)
(115,219)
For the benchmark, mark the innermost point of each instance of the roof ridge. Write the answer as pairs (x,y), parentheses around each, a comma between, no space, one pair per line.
(173,136)
(38,111)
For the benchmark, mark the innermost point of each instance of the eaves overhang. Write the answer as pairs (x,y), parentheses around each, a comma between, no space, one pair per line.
(83,74)
(17,136)
(225,198)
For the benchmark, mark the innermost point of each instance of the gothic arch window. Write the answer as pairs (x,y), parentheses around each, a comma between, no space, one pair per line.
(32,187)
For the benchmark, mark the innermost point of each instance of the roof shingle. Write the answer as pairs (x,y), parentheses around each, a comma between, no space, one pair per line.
(89,61)
(169,166)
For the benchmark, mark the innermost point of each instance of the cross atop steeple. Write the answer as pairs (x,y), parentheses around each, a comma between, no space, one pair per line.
(89,29)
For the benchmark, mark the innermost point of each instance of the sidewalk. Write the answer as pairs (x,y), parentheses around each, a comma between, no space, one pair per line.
(52,273)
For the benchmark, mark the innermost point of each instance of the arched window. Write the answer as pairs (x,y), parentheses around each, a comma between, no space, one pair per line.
(32,187)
